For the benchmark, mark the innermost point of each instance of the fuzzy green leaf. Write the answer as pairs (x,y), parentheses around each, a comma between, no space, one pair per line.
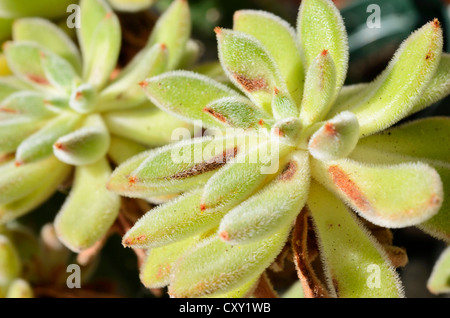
(58,71)
(48,35)
(168,92)
(243,175)
(237,112)
(410,142)
(89,210)
(274,207)
(279,38)
(83,97)
(173,29)
(387,195)
(25,104)
(19,181)
(282,105)
(439,281)
(320,27)
(155,272)
(85,145)
(124,91)
(402,84)
(336,138)
(43,185)
(24,60)
(10,85)
(249,66)
(173,221)
(214,267)
(13,132)
(173,168)
(100,40)
(39,144)
(320,89)
(355,263)
(146,125)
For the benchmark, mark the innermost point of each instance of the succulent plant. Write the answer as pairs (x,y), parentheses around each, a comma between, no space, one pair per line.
(64,111)
(289,150)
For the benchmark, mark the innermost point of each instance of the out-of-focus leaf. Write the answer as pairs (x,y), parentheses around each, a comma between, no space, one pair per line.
(25,104)
(131,5)
(89,210)
(10,264)
(439,281)
(120,149)
(43,8)
(20,288)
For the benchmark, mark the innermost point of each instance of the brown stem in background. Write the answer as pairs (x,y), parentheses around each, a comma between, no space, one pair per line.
(264,288)
(312,286)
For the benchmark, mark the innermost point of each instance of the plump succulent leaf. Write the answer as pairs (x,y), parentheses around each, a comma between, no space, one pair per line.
(85,145)
(387,195)
(214,267)
(403,82)
(168,92)
(155,271)
(173,30)
(89,210)
(174,168)
(43,187)
(120,149)
(438,283)
(173,221)
(272,208)
(100,38)
(39,144)
(146,125)
(320,27)
(275,33)
(410,142)
(10,263)
(258,79)
(20,288)
(354,262)
(336,138)
(10,85)
(48,35)
(125,91)
(13,132)
(25,105)
(320,89)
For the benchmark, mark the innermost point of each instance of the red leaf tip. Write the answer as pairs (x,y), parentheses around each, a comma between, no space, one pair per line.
(324,52)
(224,235)
(218,30)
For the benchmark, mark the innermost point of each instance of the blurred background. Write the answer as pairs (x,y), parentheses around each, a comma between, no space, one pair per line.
(370,51)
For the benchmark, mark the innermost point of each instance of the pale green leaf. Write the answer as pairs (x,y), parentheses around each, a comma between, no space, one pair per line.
(10,263)
(100,40)
(125,91)
(146,125)
(120,149)
(282,105)
(185,94)
(320,89)
(59,72)
(439,281)
(155,271)
(243,175)
(336,138)
(243,291)
(355,263)
(85,145)
(42,187)
(89,210)
(392,196)
(19,181)
(83,98)
(25,104)
(48,35)
(131,5)
(173,221)
(213,267)
(20,288)
(279,38)
(39,144)
(249,66)
(321,27)
(13,132)
(273,207)
(237,112)
(173,29)
(191,55)
(401,85)
(10,85)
